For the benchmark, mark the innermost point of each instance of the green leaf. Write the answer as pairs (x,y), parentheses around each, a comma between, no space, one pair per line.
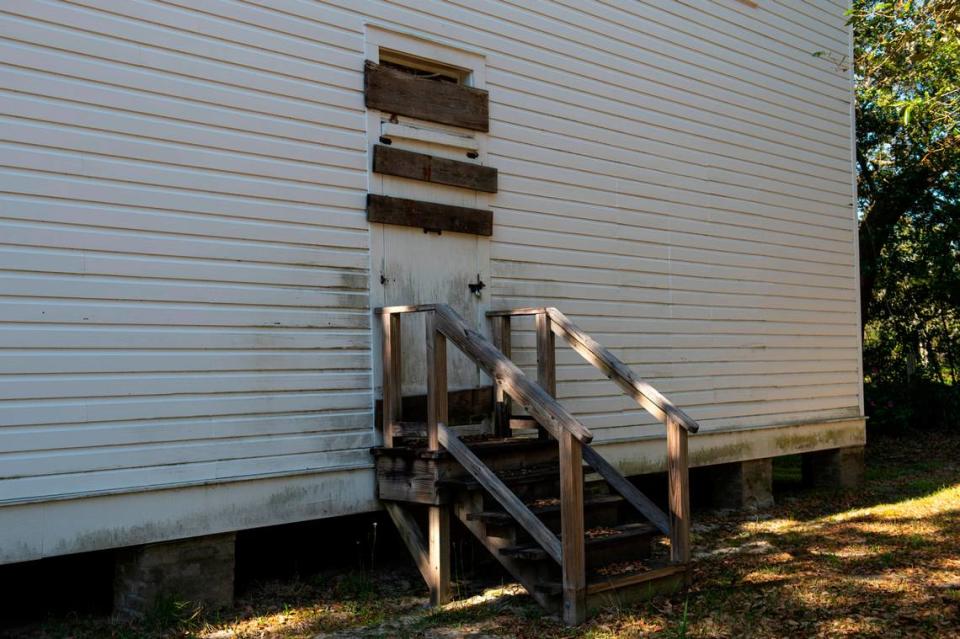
(908,113)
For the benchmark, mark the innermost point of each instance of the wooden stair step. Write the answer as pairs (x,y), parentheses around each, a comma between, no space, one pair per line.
(418,430)
(510,445)
(530,474)
(599,583)
(500,517)
(486,447)
(617,535)
(526,475)
(631,588)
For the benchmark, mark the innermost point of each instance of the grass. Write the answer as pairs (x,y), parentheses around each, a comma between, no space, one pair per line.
(882,561)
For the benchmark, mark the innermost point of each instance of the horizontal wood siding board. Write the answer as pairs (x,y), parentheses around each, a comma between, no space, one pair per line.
(394,91)
(430,216)
(429,168)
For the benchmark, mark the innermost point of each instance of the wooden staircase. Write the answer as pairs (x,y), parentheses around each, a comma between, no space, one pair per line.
(562,520)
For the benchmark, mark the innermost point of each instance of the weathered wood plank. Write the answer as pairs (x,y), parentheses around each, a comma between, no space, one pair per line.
(628,491)
(464,406)
(436,380)
(526,573)
(493,485)
(466,142)
(646,395)
(429,216)
(501,334)
(418,430)
(534,310)
(546,355)
(389,160)
(413,308)
(393,91)
(571,528)
(412,537)
(614,583)
(408,479)
(624,543)
(391,366)
(678,481)
(546,359)
(439,548)
(545,409)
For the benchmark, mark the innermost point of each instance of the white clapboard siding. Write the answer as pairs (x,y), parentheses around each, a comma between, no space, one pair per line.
(709,244)
(143,432)
(183,249)
(184,253)
(106,481)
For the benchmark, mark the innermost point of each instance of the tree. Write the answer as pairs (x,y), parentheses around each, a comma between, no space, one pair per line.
(907,67)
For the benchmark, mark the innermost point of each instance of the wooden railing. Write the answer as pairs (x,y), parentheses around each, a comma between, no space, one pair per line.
(442,324)
(678,424)
(538,400)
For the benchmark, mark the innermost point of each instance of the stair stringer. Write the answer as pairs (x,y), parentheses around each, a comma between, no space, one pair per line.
(466,503)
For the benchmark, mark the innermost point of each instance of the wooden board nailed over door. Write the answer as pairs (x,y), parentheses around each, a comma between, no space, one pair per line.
(429,190)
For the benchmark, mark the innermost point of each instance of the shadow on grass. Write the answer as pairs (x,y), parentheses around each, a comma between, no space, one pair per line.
(880,562)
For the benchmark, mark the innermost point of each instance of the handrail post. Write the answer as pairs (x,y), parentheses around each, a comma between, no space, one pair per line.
(502,403)
(438,516)
(391,366)
(679,491)
(571,529)
(436,380)
(546,360)
(439,551)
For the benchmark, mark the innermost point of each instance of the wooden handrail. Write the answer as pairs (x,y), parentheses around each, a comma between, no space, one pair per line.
(507,312)
(627,490)
(443,323)
(548,412)
(646,395)
(412,308)
(500,491)
(678,423)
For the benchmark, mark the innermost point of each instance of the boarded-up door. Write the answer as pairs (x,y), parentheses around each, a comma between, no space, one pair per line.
(411,265)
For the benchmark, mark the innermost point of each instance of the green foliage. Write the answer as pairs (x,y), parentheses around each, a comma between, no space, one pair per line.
(681,631)
(907,62)
(173,613)
(907,67)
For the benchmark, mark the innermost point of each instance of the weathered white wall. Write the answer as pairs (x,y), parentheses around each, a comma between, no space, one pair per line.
(186,258)
(676,177)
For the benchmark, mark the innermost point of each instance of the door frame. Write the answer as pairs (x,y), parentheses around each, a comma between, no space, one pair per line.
(445,53)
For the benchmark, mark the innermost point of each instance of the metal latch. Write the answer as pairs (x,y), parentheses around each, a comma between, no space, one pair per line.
(477,286)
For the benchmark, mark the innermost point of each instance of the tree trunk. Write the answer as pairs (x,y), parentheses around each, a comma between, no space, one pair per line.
(892,198)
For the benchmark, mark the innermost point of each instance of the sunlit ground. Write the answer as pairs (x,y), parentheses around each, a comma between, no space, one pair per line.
(880,562)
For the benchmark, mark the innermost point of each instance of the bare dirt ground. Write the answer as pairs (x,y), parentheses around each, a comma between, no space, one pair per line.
(883,561)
